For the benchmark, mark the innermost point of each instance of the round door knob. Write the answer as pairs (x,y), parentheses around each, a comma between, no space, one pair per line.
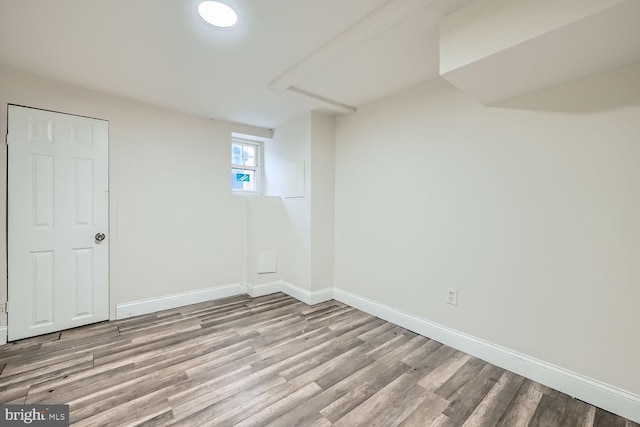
(100,237)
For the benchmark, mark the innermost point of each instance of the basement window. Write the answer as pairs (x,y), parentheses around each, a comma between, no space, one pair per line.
(246,166)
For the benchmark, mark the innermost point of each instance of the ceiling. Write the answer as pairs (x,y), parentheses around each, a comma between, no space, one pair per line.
(284,56)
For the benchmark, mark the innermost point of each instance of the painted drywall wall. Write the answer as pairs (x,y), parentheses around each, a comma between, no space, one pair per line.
(175,227)
(302,152)
(289,147)
(530,211)
(266,232)
(322,199)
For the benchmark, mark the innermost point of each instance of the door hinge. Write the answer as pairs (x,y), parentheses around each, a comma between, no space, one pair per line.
(4,307)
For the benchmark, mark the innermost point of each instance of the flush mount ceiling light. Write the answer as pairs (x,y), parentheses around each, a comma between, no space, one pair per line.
(217,14)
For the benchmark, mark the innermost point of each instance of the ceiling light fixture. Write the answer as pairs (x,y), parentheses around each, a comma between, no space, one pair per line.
(217,14)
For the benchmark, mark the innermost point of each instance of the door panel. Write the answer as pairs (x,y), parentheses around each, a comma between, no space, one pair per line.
(41,290)
(83,282)
(41,182)
(57,202)
(83,192)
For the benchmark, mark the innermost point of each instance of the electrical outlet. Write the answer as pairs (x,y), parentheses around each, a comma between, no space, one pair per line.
(452,296)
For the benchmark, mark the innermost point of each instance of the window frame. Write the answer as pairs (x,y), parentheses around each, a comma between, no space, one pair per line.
(258,169)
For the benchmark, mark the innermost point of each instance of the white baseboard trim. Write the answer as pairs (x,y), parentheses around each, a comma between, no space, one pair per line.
(597,393)
(307,297)
(323,295)
(301,294)
(3,335)
(152,305)
(261,289)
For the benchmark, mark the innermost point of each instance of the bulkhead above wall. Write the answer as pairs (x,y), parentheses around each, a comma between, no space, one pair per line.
(496,50)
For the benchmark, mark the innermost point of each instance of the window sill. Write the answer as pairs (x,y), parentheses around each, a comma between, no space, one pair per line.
(245,193)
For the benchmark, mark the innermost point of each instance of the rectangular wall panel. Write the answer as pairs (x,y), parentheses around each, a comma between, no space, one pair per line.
(42,180)
(42,281)
(83,192)
(83,282)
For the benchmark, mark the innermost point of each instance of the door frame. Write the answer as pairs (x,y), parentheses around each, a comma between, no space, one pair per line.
(4,329)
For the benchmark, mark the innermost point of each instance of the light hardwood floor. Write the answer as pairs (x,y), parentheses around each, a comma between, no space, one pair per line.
(274,361)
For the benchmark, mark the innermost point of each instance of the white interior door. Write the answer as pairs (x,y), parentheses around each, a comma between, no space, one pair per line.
(58,204)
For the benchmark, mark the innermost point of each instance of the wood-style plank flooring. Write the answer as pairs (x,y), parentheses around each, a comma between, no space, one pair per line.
(274,361)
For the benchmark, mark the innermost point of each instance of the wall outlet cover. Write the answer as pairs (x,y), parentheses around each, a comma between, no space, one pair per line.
(452,296)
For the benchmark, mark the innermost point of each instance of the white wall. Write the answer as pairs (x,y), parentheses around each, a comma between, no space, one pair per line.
(291,145)
(322,199)
(174,225)
(306,232)
(266,232)
(530,211)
